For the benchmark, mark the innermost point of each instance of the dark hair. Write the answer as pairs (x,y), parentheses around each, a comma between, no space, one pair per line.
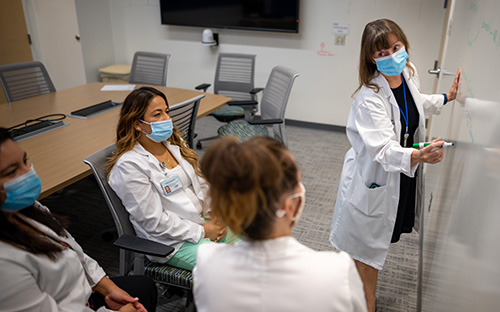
(133,108)
(4,135)
(247,181)
(16,232)
(374,38)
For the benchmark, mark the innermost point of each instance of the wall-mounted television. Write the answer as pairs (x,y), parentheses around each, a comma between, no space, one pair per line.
(266,15)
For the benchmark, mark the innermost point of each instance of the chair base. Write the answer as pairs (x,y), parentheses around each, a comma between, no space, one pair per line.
(200,146)
(178,280)
(172,293)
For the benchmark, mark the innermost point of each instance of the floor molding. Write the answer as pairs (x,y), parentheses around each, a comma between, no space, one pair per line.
(314,125)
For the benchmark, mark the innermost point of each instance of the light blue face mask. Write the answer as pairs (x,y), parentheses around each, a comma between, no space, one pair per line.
(22,191)
(160,130)
(394,64)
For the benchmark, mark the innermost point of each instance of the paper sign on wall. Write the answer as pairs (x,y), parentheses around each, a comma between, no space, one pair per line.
(340,30)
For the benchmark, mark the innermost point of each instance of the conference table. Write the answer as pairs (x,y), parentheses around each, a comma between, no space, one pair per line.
(58,155)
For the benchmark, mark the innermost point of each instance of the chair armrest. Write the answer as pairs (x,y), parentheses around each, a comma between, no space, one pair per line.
(256,90)
(203,86)
(259,121)
(244,102)
(248,104)
(142,245)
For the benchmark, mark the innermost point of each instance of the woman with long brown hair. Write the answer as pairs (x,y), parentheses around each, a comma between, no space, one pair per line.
(42,267)
(381,186)
(256,189)
(157,177)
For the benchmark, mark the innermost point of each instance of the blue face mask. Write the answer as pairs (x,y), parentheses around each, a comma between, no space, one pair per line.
(394,64)
(160,130)
(22,191)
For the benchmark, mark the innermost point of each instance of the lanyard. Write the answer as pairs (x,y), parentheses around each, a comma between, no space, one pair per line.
(406,108)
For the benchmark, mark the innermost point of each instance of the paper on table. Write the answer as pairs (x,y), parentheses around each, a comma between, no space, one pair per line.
(124,87)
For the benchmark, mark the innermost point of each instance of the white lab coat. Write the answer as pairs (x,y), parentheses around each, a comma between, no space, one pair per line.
(275,275)
(170,219)
(364,218)
(30,282)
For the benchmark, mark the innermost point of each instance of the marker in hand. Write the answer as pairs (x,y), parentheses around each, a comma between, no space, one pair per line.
(424,144)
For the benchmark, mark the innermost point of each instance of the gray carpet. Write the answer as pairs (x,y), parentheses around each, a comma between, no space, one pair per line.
(320,156)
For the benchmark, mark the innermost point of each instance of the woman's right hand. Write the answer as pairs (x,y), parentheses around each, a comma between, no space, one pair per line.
(454,87)
(431,154)
(214,231)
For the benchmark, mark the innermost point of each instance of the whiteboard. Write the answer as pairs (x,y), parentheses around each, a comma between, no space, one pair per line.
(461,236)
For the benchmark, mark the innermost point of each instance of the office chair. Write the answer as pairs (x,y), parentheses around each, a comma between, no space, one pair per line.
(184,118)
(149,68)
(24,80)
(132,252)
(234,78)
(272,106)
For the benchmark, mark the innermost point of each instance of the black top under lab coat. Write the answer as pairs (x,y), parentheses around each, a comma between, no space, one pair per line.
(405,218)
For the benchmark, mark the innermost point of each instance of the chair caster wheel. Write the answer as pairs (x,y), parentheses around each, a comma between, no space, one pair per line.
(198,145)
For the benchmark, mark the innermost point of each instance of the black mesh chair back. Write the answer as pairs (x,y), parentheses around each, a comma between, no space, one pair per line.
(184,117)
(24,80)
(149,68)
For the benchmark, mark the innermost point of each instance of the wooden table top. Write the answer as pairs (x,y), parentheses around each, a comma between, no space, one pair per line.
(58,154)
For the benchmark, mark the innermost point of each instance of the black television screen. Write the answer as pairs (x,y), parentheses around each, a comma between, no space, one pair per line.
(267,15)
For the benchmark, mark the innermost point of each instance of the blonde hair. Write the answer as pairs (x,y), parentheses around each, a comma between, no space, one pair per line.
(247,181)
(133,109)
(374,39)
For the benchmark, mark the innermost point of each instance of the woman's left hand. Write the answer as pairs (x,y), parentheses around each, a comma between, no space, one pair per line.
(454,87)
(222,233)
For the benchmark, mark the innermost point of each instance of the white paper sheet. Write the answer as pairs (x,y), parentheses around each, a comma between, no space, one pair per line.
(124,87)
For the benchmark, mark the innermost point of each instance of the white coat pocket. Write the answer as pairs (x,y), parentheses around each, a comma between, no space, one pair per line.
(369,201)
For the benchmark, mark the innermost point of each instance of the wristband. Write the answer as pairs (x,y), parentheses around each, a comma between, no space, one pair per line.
(445,98)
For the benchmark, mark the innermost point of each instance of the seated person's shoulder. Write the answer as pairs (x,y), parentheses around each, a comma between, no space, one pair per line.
(210,251)
(128,156)
(131,159)
(339,260)
(340,256)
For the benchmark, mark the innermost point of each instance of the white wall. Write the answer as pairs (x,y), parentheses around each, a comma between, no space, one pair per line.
(322,93)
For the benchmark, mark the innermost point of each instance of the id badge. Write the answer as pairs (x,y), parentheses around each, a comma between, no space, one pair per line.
(171,185)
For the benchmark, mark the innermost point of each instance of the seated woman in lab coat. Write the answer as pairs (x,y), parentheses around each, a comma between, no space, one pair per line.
(255,189)
(157,177)
(42,268)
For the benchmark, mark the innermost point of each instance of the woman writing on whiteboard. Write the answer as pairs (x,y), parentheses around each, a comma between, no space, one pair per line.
(381,187)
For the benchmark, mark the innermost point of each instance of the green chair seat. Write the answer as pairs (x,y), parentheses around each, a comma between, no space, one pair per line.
(243,130)
(228,113)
